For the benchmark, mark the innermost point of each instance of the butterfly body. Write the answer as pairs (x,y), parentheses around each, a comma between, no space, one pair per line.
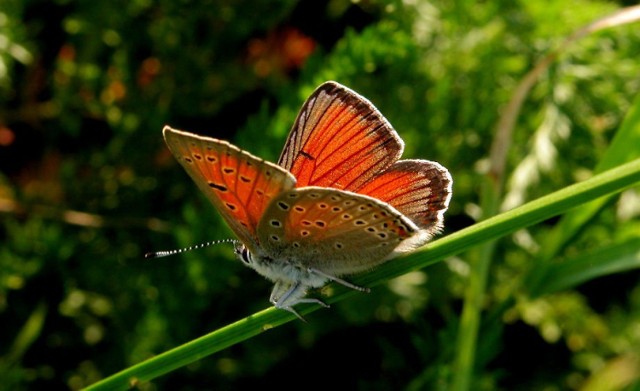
(339,202)
(291,277)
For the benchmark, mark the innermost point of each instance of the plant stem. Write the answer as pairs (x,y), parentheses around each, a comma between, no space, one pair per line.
(612,181)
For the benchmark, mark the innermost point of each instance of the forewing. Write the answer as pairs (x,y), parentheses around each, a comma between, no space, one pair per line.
(339,140)
(334,231)
(419,189)
(237,183)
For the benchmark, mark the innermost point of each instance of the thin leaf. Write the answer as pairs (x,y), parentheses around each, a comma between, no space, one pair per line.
(623,148)
(613,181)
(614,258)
(492,193)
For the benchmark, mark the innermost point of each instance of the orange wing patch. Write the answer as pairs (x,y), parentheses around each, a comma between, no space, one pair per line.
(237,183)
(410,187)
(339,140)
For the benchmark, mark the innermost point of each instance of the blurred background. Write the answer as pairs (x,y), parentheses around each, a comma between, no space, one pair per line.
(87,186)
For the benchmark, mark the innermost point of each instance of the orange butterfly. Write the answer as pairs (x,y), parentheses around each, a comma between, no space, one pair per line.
(339,201)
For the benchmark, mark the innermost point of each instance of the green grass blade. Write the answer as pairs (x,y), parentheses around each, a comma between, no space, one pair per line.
(623,148)
(610,182)
(194,350)
(602,261)
(492,194)
(28,334)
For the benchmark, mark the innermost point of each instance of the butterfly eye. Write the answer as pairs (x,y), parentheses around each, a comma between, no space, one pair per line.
(245,256)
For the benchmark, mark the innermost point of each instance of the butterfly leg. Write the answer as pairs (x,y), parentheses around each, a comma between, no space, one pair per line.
(286,296)
(338,280)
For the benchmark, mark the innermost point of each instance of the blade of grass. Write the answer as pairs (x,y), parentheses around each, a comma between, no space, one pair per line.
(492,192)
(612,181)
(542,276)
(506,124)
(623,148)
(28,334)
(194,350)
(602,261)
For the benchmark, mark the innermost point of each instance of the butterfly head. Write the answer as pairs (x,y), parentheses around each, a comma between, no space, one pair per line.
(252,260)
(243,253)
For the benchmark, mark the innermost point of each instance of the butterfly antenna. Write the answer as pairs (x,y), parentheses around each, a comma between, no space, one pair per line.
(160,254)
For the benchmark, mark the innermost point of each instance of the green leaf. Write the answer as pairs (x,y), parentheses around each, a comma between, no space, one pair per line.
(610,182)
(623,148)
(614,258)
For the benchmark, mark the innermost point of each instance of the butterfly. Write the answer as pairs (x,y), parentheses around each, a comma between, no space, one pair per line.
(339,202)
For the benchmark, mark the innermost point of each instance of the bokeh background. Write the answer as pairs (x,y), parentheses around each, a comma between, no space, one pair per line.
(87,186)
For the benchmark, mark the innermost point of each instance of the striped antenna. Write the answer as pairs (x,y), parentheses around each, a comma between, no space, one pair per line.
(166,253)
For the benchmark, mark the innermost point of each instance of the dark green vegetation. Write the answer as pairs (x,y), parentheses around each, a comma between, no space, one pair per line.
(87,186)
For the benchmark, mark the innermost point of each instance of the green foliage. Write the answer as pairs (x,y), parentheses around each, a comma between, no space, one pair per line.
(87,187)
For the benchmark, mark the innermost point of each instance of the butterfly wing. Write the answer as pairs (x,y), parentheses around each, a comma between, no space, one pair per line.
(337,232)
(237,183)
(419,189)
(339,140)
